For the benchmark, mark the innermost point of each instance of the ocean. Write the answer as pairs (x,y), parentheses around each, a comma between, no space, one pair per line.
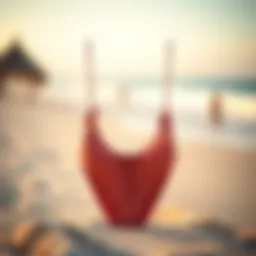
(137,102)
(244,86)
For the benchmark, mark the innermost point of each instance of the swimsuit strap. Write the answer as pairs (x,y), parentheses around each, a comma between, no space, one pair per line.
(167,75)
(90,74)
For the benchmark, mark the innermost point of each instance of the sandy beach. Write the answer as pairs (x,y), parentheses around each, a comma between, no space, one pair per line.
(213,180)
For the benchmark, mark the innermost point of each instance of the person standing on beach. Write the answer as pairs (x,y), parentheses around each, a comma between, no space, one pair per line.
(216,110)
(125,96)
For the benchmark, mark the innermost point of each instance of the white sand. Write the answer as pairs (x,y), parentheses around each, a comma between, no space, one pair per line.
(214,180)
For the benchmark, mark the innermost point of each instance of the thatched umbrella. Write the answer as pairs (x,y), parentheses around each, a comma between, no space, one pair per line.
(15,61)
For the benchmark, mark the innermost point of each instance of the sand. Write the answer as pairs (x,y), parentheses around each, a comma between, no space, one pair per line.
(214,180)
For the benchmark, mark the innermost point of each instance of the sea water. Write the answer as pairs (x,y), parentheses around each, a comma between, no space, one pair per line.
(189,101)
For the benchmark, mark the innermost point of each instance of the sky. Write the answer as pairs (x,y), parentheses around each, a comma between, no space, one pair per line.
(212,37)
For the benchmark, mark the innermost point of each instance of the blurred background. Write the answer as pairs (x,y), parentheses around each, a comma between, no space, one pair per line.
(44,97)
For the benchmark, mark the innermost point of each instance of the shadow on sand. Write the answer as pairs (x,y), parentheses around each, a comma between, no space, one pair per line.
(84,242)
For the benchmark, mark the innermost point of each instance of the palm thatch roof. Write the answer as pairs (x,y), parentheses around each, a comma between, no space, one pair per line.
(16,61)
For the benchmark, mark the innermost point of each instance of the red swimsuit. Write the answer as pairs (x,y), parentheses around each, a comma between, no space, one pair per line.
(127,186)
